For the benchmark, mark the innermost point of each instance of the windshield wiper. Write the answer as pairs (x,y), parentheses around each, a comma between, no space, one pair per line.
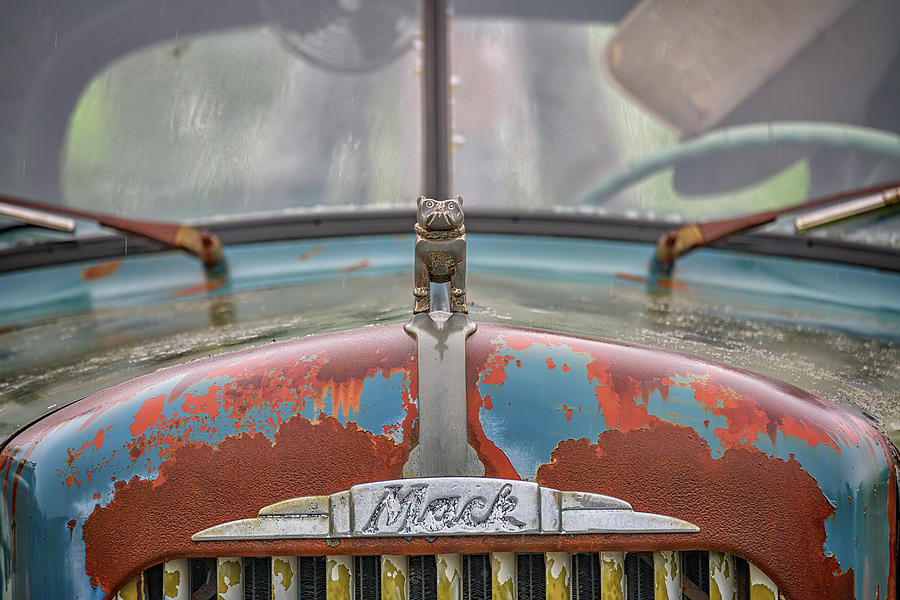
(678,242)
(200,243)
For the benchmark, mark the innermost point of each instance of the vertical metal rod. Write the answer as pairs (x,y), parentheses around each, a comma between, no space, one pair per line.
(667,574)
(230,578)
(394,577)
(449,574)
(284,577)
(558,574)
(503,576)
(435,100)
(177,579)
(722,576)
(338,577)
(612,575)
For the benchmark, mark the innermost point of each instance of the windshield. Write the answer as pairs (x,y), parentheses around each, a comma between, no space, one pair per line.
(199,112)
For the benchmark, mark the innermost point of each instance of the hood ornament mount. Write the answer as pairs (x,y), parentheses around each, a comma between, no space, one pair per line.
(439,506)
(440,328)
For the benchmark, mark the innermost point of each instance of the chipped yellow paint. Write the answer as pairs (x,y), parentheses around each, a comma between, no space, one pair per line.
(130,590)
(761,587)
(228,573)
(338,578)
(394,582)
(557,569)
(667,575)
(612,575)
(176,574)
(503,581)
(721,577)
(284,580)
(171,582)
(449,576)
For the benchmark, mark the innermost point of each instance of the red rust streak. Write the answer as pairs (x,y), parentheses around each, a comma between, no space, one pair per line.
(99,271)
(356,266)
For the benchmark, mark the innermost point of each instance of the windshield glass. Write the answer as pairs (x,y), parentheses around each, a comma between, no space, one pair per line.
(198,113)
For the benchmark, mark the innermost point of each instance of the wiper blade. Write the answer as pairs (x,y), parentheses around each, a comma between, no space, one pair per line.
(678,242)
(37,218)
(201,243)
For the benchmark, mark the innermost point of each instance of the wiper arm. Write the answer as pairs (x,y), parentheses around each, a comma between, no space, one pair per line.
(678,242)
(200,243)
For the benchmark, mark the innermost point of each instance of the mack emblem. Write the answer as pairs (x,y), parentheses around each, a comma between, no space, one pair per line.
(413,511)
(430,506)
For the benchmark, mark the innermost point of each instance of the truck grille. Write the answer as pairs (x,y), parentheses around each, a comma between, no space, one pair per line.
(694,575)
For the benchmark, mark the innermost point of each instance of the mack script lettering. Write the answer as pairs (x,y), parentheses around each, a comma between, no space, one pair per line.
(408,509)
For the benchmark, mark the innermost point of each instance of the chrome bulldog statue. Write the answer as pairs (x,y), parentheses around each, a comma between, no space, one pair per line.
(440,252)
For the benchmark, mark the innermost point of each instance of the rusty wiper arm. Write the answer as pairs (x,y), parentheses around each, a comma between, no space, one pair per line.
(678,242)
(200,243)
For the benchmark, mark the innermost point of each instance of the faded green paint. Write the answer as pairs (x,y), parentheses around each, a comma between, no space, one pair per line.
(229,577)
(761,587)
(393,580)
(449,581)
(612,576)
(760,591)
(721,576)
(129,591)
(666,575)
(502,581)
(338,584)
(558,566)
(171,582)
(283,568)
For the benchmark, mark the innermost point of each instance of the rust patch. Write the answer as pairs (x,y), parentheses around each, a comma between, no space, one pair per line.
(101,270)
(668,469)
(302,461)
(312,252)
(209,285)
(356,266)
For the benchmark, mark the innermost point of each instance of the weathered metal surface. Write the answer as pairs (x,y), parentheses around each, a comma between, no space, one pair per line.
(612,575)
(666,575)
(558,573)
(176,579)
(164,456)
(503,576)
(394,577)
(285,579)
(722,576)
(705,441)
(761,587)
(449,576)
(443,448)
(444,506)
(339,577)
